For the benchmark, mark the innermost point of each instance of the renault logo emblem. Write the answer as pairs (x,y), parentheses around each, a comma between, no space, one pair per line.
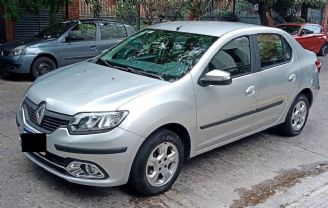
(39,113)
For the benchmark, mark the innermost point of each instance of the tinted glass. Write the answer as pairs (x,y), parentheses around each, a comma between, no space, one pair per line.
(108,30)
(273,49)
(235,57)
(291,29)
(166,54)
(55,30)
(83,32)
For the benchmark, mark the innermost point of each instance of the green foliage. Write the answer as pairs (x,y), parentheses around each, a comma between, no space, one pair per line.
(126,9)
(95,7)
(33,6)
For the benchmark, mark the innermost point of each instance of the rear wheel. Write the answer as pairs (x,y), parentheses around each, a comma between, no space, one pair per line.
(296,117)
(324,49)
(157,163)
(41,66)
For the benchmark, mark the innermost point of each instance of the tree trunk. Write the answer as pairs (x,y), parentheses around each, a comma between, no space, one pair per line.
(304,12)
(262,13)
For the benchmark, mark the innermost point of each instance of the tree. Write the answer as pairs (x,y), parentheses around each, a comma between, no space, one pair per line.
(282,6)
(197,8)
(126,10)
(95,7)
(34,6)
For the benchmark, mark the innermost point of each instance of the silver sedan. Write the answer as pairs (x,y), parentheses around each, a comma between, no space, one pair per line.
(170,92)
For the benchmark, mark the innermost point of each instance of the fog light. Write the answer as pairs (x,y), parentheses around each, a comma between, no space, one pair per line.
(84,170)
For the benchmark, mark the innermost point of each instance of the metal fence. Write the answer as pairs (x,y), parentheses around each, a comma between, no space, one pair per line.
(107,9)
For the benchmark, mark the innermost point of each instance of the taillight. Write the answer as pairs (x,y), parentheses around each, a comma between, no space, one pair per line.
(318,64)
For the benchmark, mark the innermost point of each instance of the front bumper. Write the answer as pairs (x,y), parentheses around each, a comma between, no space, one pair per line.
(122,147)
(16,64)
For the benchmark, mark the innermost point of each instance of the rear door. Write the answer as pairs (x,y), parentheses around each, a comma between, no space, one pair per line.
(111,33)
(81,43)
(279,75)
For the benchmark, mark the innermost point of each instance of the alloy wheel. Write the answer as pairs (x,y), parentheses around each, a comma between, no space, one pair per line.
(162,164)
(299,115)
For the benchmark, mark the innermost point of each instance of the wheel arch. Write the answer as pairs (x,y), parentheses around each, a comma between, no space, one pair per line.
(52,57)
(183,134)
(309,95)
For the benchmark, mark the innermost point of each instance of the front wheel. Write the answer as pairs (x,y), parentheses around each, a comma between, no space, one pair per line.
(296,117)
(157,163)
(41,66)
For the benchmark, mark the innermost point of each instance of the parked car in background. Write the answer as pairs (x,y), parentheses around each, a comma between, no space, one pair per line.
(311,36)
(60,45)
(168,93)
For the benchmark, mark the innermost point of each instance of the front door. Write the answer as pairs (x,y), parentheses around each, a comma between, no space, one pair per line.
(80,44)
(224,112)
(279,77)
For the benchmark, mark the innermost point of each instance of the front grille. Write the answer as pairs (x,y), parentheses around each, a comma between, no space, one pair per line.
(50,122)
(51,160)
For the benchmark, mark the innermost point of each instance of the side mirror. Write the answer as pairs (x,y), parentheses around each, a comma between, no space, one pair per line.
(216,77)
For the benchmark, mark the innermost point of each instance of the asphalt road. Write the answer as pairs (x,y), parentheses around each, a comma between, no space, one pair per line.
(261,169)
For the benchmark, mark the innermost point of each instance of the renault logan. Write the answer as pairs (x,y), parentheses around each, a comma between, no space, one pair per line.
(170,92)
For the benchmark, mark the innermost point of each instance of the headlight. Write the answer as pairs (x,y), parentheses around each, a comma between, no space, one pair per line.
(98,122)
(20,50)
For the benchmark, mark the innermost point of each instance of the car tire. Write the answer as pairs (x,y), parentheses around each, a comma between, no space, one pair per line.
(42,65)
(324,49)
(157,163)
(296,117)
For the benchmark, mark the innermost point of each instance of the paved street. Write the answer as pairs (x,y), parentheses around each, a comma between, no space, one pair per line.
(263,170)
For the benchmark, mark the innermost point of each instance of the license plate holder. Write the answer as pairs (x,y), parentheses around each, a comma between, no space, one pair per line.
(33,142)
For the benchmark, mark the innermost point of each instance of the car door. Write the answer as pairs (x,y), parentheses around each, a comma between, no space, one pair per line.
(307,38)
(111,34)
(226,111)
(279,75)
(81,43)
(320,38)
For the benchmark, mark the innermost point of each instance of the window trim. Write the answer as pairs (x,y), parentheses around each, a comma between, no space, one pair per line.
(260,68)
(252,59)
(96,26)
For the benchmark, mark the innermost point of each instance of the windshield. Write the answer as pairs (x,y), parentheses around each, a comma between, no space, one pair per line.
(167,55)
(291,29)
(56,30)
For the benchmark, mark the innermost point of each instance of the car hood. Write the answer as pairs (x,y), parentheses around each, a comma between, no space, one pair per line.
(88,87)
(28,41)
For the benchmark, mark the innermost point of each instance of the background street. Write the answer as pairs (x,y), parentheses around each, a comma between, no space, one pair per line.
(263,170)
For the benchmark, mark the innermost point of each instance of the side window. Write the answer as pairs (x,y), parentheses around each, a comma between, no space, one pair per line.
(108,30)
(234,57)
(121,31)
(83,32)
(307,30)
(317,29)
(274,49)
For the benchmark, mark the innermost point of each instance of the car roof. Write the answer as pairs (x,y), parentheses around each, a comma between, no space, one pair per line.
(298,24)
(94,19)
(211,28)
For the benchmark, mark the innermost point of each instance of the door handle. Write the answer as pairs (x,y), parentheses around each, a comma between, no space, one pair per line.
(94,47)
(250,90)
(292,78)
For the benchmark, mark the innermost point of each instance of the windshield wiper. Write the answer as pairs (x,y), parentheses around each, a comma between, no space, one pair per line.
(131,70)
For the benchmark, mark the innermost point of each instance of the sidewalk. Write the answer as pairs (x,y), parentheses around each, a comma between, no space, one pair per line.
(318,199)
(312,192)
